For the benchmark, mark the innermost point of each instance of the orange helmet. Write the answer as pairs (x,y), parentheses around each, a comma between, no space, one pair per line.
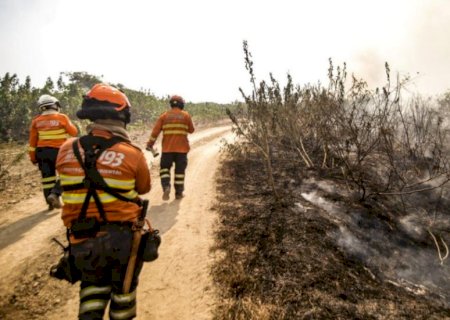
(105,102)
(176,101)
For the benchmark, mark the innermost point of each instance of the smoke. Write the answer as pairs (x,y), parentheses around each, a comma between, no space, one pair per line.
(414,42)
(369,65)
(394,254)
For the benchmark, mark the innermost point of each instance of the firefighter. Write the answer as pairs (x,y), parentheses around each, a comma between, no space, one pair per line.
(48,131)
(102,174)
(175,124)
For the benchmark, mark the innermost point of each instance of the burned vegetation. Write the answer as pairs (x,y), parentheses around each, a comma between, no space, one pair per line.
(334,204)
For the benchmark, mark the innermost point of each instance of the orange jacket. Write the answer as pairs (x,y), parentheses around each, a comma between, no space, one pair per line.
(49,129)
(175,124)
(123,166)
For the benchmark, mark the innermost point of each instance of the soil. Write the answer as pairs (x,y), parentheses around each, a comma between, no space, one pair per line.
(284,260)
(229,250)
(177,285)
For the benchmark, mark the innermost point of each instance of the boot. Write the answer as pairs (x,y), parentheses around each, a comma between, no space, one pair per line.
(179,195)
(53,201)
(166,193)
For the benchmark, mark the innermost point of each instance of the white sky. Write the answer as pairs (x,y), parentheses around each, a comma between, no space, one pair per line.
(194,48)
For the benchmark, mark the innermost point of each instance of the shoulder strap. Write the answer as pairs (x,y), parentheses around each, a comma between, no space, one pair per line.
(93,147)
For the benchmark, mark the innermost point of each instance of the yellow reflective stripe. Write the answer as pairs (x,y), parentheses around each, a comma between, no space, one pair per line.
(48,185)
(152,138)
(92,305)
(175,125)
(68,180)
(53,137)
(123,314)
(166,175)
(74,198)
(124,297)
(51,132)
(92,290)
(31,148)
(175,132)
(179,176)
(120,184)
(164,170)
(48,179)
(178,182)
(113,183)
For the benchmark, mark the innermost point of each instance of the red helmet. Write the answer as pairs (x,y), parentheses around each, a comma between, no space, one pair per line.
(105,102)
(176,101)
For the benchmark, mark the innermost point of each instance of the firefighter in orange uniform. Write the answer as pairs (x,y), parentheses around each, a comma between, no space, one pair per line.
(48,132)
(102,174)
(175,124)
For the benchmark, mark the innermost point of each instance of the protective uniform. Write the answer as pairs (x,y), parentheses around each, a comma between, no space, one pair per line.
(175,124)
(105,215)
(48,132)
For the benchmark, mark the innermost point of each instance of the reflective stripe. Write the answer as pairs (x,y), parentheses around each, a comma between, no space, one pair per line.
(113,183)
(179,176)
(124,298)
(120,184)
(92,305)
(68,180)
(74,198)
(175,125)
(152,138)
(164,170)
(89,291)
(178,182)
(48,179)
(181,132)
(31,148)
(123,314)
(53,137)
(51,132)
(166,175)
(48,185)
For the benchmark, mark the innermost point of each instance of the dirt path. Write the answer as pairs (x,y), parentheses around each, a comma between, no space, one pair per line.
(178,284)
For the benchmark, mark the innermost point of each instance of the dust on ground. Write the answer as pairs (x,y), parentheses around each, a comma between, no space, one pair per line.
(29,293)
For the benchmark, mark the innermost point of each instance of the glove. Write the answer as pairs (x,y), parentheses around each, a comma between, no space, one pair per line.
(154,152)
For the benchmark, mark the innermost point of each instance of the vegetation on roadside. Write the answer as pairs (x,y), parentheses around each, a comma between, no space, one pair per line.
(383,145)
(18,102)
(389,152)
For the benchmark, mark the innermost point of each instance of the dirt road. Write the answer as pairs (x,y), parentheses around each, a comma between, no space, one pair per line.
(176,286)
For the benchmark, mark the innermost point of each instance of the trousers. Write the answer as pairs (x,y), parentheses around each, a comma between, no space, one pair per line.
(46,158)
(102,262)
(180,161)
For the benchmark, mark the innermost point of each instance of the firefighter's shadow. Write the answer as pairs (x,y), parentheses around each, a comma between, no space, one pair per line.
(13,232)
(164,216)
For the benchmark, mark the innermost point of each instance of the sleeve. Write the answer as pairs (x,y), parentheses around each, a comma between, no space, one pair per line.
(70,127)
(33,140)
(143,180)
(156,131)
(190,124)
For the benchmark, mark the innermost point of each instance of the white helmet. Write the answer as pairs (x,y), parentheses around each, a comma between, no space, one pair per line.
(47,101)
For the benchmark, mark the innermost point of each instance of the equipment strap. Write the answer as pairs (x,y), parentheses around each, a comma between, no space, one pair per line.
(93,147)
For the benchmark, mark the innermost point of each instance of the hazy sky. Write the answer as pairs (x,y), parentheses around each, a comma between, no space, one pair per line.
(194,48)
